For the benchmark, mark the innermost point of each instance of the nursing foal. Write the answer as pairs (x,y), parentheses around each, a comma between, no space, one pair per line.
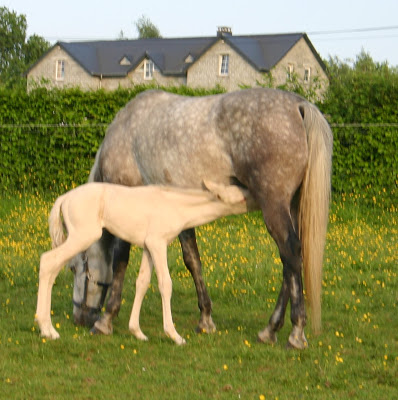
(149,216)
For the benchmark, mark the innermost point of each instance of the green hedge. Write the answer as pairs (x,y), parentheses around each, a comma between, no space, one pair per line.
(361,105)
(365,162)
(49,140)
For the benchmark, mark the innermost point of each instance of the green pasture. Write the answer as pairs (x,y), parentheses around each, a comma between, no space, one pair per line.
(355,357)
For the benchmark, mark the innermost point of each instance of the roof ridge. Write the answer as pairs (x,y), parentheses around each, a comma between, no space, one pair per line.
(102,57)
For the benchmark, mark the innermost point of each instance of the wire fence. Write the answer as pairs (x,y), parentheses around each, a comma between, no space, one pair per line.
(55,157)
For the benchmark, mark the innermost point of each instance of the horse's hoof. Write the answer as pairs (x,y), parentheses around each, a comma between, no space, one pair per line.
(143,338)
(101,328)
(180,341)
(51,334)
(139,335)
(267,336)
(95,331)
(297,339)
(47,331)
(297,342)
(206,325)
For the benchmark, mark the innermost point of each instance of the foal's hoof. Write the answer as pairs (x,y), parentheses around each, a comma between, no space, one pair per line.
(206,325)
(49,334)
(139,334)
(267,336)
(179,341)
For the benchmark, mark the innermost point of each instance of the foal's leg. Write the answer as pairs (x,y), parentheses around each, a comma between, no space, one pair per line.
(51,263)
(120,261)
(192,261)
(142,284)
(50,266)
(158,251)
(279,223)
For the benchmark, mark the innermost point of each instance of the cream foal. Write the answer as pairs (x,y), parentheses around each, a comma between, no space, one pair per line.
(148,216)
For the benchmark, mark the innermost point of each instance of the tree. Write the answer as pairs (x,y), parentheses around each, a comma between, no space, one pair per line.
(121,36)
(16,54)
(361,91)
(12,40)
(35,47)
(146,29)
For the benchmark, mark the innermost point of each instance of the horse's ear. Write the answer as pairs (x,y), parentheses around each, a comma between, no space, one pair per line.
(231,194)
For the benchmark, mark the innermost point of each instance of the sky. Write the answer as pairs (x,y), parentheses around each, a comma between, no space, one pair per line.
(338,28)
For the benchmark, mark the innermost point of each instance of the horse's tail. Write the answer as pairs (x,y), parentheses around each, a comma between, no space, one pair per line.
(314,205)
(55,223)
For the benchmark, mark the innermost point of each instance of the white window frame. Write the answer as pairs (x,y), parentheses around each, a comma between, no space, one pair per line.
(290,71)
(60,70)
(307,74)
(149,67)
(224,65)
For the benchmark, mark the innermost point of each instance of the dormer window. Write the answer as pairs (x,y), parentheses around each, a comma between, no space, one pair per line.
(149,67)
(189,59)
(125,61)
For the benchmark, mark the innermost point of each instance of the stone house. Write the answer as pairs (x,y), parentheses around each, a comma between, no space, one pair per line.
(225,60)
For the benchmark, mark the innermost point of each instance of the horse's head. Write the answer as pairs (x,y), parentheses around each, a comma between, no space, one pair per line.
(93,276)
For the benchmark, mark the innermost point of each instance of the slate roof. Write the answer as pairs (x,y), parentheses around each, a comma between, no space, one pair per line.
(103,58)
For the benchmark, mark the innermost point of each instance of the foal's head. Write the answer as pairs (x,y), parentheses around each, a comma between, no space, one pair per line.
(93,276)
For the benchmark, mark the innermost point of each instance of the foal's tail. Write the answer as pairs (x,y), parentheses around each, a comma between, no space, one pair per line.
(55,223)
(314,205)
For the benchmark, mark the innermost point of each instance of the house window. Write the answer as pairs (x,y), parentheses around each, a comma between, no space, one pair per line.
(189,59)
(125,61)
(149,67)
(307,74)
(224,64)
(290,71)
(60,70)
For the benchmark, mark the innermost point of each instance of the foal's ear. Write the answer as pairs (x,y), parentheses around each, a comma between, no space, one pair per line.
(231,194)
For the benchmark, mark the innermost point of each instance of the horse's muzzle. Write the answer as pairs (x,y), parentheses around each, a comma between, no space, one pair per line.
(85,317)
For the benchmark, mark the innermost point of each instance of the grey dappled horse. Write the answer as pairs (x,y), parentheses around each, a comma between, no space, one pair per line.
(274,143)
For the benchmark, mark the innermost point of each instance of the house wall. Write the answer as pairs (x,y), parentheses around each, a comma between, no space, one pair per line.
(300,57)
(137,77)
(44,73)
(205,71)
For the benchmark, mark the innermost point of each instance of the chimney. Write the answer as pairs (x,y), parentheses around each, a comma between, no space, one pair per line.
(224,31)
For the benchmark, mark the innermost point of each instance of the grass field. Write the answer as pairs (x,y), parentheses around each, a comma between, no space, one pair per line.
(355,357)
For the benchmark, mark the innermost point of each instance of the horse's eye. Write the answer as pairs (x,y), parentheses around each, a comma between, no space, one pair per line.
(73,269)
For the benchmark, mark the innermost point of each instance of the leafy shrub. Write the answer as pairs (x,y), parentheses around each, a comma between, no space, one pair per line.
(361,106)
(49,137)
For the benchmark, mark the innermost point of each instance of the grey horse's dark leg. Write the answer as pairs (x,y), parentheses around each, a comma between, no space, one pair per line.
(281,228)
(120,261)
(278,316)
(192,261)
